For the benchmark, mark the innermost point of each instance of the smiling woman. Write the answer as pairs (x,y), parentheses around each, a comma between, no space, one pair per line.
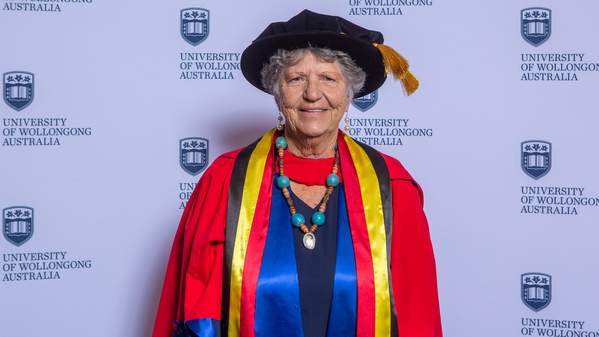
(306,232)
(312,88)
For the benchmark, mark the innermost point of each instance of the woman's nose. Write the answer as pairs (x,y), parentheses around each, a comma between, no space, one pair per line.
(312,91)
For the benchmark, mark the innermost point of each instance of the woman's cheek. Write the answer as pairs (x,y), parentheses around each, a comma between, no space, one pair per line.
(290,117)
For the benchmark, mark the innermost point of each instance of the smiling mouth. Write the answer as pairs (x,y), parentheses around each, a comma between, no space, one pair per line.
(313,110)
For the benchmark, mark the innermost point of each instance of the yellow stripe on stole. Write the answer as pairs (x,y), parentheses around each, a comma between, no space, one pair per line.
(251,189)
(375,222)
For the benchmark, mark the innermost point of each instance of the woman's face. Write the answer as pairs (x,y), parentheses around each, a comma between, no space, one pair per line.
(313,97)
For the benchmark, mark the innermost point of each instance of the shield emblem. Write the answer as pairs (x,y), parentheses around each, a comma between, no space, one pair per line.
(535,158)
(536,290)
(193,154)
(17,224)
(194,25)
(17,89)
(535,25)
(365,102)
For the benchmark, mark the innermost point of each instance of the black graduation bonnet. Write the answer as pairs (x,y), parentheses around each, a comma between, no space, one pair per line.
(308,28)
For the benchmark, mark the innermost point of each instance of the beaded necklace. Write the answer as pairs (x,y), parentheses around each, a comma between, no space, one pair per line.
(297,219)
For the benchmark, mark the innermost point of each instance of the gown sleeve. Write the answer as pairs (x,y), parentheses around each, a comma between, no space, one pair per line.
(413,271)
(190,304)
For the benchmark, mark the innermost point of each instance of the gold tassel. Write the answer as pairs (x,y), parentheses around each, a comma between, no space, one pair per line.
(398,65)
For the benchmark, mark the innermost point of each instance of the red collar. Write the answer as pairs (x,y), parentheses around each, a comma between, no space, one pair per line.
(308,171)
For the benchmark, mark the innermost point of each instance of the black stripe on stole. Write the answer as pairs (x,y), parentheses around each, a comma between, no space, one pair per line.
(382,172)
(233,207)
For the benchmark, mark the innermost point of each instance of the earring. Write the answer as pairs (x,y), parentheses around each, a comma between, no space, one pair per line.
(280,122)
(346,122)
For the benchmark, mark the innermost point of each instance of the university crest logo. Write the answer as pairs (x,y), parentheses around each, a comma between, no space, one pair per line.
(17,89)
(535,158)
(365,102)
(195,25)
(17,224)
(535,25)
(193,154)
(536,290)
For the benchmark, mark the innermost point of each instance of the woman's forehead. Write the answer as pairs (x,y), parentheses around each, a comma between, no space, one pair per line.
(311,62)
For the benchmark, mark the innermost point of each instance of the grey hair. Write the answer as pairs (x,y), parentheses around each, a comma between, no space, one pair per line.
(272,72)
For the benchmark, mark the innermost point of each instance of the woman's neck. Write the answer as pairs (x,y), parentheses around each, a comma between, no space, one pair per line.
(311,147)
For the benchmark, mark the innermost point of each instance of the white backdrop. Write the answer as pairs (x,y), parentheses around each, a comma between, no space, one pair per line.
(91,185)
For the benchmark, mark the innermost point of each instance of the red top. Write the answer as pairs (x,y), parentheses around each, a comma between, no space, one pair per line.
(308,171)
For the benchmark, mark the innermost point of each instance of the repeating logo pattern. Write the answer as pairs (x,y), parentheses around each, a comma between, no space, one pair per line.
(195,25)
(18,89)
(193,154)
(536,158)
(536,290)
(366,102)
(535,25)
(17,224)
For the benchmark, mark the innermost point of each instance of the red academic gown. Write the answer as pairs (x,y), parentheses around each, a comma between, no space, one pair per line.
(194,279)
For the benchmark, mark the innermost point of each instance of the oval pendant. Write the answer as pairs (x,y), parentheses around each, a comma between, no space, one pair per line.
(309,241)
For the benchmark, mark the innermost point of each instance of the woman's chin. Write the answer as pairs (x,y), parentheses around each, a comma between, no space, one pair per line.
(315,131)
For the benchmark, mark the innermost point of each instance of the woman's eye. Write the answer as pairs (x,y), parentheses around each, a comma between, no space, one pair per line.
(295,79)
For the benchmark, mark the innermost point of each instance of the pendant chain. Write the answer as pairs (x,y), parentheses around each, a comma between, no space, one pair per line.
(298,219)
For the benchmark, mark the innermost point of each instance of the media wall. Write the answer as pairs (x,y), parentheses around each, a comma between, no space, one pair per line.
(112,110)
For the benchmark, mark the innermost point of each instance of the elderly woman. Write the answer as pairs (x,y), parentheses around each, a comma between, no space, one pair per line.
(305,232)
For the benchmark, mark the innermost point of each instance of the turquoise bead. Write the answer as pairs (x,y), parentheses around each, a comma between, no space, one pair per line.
(281,142)
(318,218)
(298,219)
(283,181)
(332,180)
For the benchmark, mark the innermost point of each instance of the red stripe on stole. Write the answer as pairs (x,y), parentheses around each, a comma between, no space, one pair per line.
(255,250)
(365,325)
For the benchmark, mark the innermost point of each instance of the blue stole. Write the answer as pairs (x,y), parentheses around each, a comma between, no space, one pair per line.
(278,309)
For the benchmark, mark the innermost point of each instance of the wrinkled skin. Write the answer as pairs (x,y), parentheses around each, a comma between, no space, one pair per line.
(313,99)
